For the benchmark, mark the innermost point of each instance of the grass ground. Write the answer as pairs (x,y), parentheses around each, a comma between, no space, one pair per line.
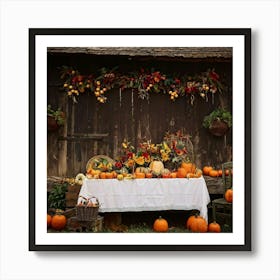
(142,222)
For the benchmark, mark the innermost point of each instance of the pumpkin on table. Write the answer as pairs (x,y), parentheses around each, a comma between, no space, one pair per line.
(181,172)
(160,225)
(156,166)
(189,167)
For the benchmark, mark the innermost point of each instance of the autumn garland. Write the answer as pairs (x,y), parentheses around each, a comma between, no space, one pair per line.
(143,83)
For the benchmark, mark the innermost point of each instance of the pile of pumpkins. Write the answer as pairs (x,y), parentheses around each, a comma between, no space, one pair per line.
(212,172)
(156,169)
(195,223)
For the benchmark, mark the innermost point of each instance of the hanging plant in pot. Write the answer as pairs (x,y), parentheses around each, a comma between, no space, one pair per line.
(56,118)
(218,121)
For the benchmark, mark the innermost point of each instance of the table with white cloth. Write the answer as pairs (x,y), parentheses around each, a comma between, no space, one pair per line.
(153,194)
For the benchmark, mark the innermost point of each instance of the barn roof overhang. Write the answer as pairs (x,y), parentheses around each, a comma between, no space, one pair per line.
(223,53)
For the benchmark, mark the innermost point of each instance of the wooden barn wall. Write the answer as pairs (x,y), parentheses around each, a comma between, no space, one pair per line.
(126,116)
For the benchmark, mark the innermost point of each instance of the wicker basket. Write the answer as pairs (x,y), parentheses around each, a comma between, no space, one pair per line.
(92,162)
(87,213)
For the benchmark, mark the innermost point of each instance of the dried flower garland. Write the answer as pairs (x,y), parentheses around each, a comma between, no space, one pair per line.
(143,83)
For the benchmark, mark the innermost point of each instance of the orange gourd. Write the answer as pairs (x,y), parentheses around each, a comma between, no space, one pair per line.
(189,221)
(173,174)
(149,175)
(160,225)
(109,175)
(220,172)
(139,175)
(206,170)
(198,224)
(214,227)
(102,175)
(181,173)
(58,222)
(189,167)
(213,173)
(228,195)
(49,219)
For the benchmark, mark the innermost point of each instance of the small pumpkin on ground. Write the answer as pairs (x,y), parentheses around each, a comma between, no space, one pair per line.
(228,195)
(49,220)
(197,224)
(58,221)
(214,227)
(160,225)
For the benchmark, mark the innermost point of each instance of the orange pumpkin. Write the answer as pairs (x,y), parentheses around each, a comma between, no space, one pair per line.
(58,222)
(139,175)
(102,175)
(206,170)
(214,227)
(198,224)
(189,167)
(213,173)
(160,225)
(166,175)
(149,175)
(173,174)
(49,220)
(181,173)
(220,172)
(189,221)
(228,195)
(109,175)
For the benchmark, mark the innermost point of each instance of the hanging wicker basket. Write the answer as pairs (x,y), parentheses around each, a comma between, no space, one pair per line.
(218,127)
(52,124)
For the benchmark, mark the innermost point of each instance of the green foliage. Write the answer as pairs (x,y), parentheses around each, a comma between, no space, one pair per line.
(56,197)
(57,114)
(218,114)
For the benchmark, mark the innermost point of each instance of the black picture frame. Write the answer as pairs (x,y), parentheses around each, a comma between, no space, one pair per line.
(33,165)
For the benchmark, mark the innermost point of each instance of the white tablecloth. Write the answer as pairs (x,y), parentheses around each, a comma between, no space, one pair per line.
(148,194)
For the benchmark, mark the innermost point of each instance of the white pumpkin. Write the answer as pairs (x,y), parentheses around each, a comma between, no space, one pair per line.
(156,166)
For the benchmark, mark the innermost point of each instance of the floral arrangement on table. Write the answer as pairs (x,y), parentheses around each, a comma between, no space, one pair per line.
(172,151)
(143,82)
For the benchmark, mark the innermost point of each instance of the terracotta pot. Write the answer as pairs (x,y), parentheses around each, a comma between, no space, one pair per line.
(52,124)
(218,127)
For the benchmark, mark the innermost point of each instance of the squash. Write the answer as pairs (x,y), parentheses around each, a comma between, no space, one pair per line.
(141,170)
(149,175)
(173,174)
(160,225)
(181,173)
(189,167)
(156,166)
(139,175)
(109,175)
